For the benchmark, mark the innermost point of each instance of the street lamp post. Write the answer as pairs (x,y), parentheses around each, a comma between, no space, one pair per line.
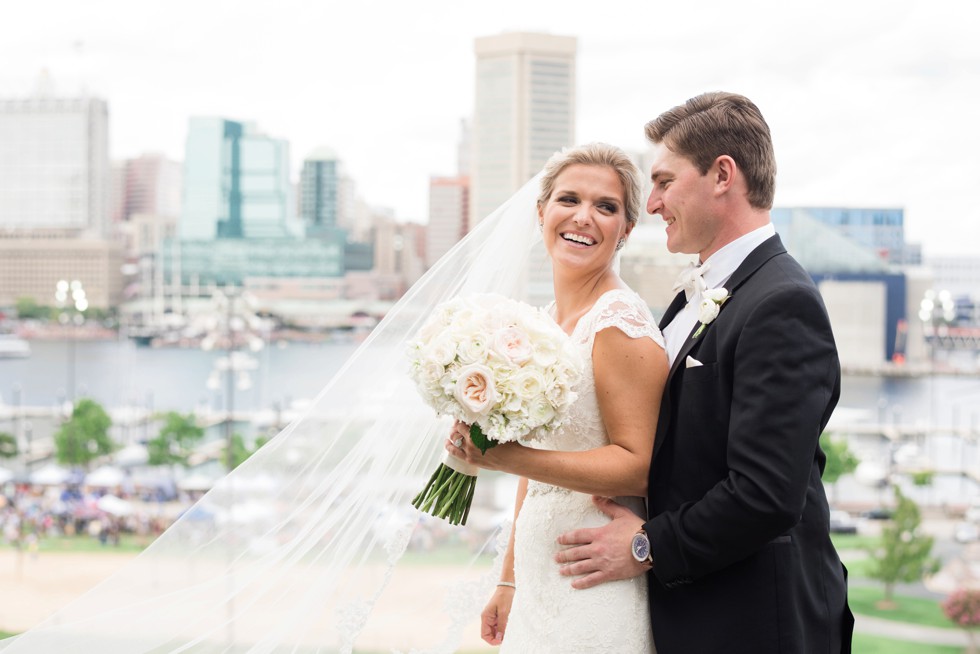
(75,317)
(232,326)
(936,311)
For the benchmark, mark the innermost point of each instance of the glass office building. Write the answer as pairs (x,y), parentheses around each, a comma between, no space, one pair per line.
(231,261)
(236,183)
(879,230)
(54,165)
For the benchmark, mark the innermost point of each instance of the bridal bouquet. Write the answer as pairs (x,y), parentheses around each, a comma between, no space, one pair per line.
(499,365)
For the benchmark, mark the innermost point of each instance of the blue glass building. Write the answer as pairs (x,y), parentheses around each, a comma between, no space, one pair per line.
(881,231)
(236,183)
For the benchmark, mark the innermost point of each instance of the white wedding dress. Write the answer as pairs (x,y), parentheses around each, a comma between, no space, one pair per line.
(548,615)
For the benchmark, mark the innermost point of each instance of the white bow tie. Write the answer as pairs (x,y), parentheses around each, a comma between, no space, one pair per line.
(691,281)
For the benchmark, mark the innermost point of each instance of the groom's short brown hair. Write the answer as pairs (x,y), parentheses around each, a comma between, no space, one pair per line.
(715,124)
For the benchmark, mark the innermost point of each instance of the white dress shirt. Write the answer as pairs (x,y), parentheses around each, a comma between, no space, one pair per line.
(721,265)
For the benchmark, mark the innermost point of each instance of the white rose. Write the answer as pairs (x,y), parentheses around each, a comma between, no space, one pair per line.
(718,295)
(430,372)
(545,352)
(528,384)
(473,348)
(441,351)
(708,311)
(513,344)
(475,390)
(711,304)
(541,412)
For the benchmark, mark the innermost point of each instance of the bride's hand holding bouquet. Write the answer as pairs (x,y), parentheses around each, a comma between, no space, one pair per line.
(498,365)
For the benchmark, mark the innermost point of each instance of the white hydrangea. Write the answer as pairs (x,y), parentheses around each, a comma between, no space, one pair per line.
(496,362)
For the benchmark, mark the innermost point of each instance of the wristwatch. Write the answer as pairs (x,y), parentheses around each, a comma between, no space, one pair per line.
(640,548)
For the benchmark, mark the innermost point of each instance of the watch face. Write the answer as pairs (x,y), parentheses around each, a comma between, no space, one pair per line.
(641,547)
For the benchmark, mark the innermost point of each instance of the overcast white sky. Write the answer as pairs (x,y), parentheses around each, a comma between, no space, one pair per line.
(871,103)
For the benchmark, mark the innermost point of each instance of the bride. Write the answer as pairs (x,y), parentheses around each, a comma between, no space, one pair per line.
(302,548)
(588,205)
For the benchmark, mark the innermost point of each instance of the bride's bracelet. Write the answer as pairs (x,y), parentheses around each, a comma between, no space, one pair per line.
(509,584)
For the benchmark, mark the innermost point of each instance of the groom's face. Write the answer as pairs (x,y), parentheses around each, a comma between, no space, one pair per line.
(682,196)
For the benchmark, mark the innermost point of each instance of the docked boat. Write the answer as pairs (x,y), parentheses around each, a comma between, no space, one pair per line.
(13,347)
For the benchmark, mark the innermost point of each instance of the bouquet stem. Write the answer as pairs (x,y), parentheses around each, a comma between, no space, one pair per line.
(448,495)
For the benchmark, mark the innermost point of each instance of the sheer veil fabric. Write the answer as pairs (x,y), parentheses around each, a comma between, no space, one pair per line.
(301,548)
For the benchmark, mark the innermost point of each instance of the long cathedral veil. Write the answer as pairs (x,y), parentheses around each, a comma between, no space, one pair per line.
(312,545)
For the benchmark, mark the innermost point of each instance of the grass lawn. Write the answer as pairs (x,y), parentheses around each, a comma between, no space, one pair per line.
(858,568)
(910,609)
(84,544)
(866,644)
(854,541)
(6,634)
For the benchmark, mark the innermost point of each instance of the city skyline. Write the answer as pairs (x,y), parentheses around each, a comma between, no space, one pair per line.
(870,105)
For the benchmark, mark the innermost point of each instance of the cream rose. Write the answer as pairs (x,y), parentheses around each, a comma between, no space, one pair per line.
(513,344)
(475,390)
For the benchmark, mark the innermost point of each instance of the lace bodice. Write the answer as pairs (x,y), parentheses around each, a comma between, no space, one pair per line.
(626,311)
(547,614)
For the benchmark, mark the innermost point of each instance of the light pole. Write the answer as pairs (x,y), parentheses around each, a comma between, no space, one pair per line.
(233,326)
(79,303)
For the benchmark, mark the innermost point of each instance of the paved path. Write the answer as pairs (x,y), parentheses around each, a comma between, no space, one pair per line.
(909,632)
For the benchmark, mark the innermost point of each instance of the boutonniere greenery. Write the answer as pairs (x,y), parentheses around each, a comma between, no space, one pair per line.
(711,301)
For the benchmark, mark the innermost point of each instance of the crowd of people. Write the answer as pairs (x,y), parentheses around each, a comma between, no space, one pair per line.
(31,513)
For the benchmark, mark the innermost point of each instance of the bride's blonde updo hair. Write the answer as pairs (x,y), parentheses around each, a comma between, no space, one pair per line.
(596,154)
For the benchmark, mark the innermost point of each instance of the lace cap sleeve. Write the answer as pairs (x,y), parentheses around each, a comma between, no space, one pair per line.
(625,311)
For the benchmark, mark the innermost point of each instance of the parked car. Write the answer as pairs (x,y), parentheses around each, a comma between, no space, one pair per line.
(973,513)
(966,532)
(881,513)
(841,522)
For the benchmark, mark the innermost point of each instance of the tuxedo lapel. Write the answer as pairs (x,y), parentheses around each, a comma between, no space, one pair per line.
(663,421)
(766,251)
(673,309)
(763,253)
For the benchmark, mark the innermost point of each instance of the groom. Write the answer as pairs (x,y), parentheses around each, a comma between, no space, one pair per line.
(737,547)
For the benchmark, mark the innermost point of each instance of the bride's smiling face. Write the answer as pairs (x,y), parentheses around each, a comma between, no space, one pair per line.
(584,217)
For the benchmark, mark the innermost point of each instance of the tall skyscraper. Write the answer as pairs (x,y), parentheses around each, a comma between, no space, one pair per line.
(151,186)
(54,165)
(236,183)
(449,206)
(524,112)
(320,191)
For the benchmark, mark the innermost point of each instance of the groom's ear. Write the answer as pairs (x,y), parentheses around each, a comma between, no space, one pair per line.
(724,170)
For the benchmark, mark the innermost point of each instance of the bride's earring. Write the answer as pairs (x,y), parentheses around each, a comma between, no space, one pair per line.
(620,243)
(540,227)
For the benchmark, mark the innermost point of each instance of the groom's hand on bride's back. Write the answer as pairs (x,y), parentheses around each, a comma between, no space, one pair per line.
(595,556)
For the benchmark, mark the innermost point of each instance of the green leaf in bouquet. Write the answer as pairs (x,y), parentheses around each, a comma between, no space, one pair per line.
(480,439)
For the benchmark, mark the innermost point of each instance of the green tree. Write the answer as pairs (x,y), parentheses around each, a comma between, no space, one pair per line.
(923,477)
(176,440)
(85,436)
(8,445)
(240,451)
(28,308)
(904,552)
(840,461)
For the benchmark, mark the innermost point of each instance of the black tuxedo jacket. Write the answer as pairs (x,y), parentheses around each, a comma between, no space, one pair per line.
(738,517)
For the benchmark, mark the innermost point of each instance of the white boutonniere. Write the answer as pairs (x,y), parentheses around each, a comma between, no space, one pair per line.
(711,301)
